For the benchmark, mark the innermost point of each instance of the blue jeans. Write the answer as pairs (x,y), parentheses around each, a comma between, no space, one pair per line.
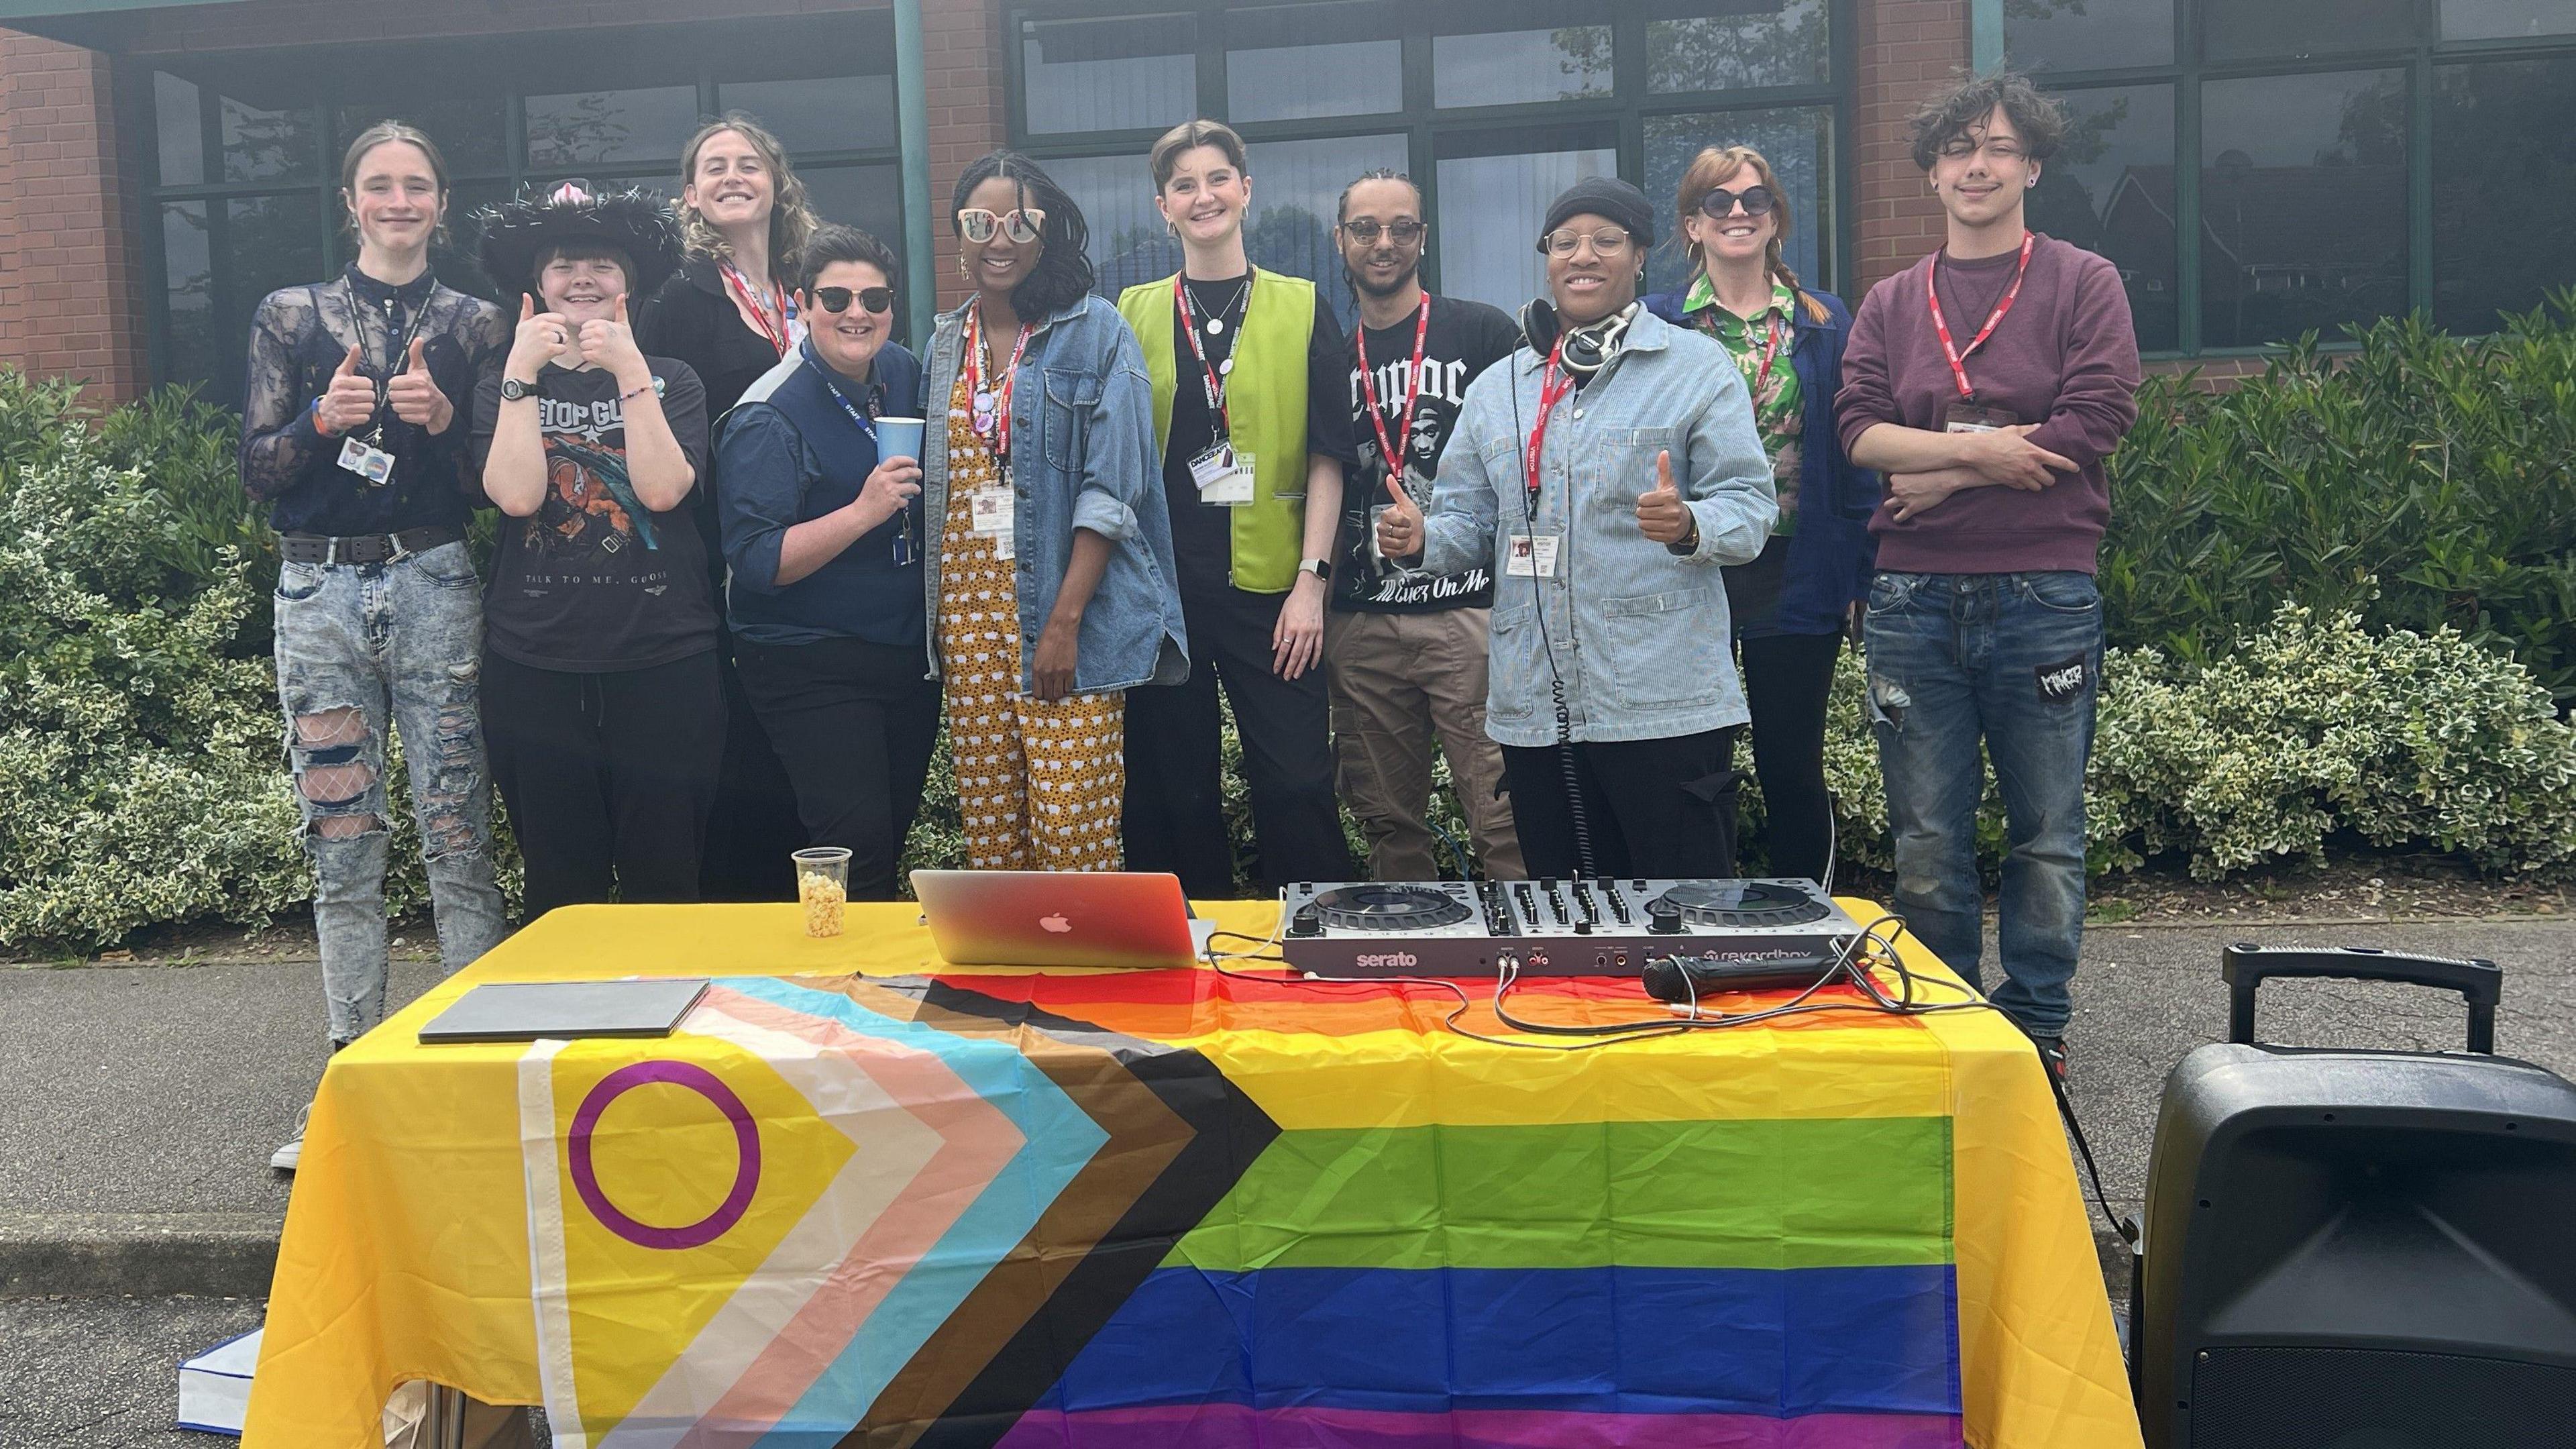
(363,649)
(2015,659)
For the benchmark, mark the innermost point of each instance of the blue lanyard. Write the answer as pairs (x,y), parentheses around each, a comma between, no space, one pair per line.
(867,425)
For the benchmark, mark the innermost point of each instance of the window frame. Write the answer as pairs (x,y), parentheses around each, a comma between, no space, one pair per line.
(1424,125)
(139,119)
(2419,61)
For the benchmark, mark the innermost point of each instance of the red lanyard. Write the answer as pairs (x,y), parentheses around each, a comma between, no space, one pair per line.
(1949,349)
(1386,451)
(1190,327)
(1551,391)
(768,314)
(999,435)
(1770,346)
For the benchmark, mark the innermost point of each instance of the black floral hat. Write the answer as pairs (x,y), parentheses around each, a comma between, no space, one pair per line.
(634,221)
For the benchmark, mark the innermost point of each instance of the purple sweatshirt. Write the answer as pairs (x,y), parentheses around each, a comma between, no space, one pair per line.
(2065,357)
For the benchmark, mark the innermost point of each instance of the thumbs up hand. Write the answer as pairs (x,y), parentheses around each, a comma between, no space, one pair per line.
(1399,527)
(1661,514)
(608,343)
(348,401)
(414,396)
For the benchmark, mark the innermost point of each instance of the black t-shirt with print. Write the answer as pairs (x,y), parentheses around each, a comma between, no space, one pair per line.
(1203,533)
(590,582)
(1464,339)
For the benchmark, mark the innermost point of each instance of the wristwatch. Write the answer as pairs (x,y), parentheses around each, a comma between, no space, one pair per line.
(1322,570)
(512,389)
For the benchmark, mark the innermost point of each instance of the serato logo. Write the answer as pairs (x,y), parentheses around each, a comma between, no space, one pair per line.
(1056,923)
(1401,960)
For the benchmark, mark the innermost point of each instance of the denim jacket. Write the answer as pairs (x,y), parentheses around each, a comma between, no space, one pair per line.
(1082,441)
(1637,633)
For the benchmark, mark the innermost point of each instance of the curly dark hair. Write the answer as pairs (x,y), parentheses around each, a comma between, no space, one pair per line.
(1954,112)
(1063,271)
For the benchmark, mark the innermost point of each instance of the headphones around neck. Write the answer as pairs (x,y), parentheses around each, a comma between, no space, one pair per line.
(1588,348)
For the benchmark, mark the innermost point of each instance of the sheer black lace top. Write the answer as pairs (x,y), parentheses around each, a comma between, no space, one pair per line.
(297,340)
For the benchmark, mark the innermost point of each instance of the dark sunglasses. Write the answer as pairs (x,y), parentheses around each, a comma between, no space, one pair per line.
(1720,202)
(1404,233)
(837,299)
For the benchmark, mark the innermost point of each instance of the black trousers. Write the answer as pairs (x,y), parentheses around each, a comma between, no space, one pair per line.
(1660,808)
(608,777)
(854,722)
(1175,805)
(1787,678)
(754,824)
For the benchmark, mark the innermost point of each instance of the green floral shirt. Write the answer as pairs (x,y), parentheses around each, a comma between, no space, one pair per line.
(1779,406)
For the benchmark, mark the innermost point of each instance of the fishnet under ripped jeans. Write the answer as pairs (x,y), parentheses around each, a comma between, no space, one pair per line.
(363,648)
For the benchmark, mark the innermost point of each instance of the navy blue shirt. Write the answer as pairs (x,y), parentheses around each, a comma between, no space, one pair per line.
(789,454)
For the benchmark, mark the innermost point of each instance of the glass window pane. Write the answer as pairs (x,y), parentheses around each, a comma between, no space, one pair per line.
(1134,72)
(2287,29)
(2110,189)
(1756,43)
(471,131)
(610,126)
(2506,19)
(1275,70)
(1491,208)
(267,242)
(847,113)
(455,259)
(180,119)
(1798,144)
(1296,191)
(867,197)
(1129,243)
(2088,34)
(2302,204)
(1521,52)
(2504,188)
(261,145)
(188,285)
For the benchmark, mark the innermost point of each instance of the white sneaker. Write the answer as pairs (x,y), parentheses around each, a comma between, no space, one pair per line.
(285,1158)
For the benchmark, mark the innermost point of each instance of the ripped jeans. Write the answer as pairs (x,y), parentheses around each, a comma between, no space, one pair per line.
(363,648)
(2014,659)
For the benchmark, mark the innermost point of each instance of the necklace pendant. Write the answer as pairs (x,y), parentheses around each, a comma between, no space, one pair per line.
(1215,326)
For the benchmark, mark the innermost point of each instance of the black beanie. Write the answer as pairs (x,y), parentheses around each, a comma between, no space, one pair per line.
(1605,196)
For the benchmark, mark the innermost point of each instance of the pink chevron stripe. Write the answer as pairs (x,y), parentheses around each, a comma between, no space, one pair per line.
(977,1142)
(1193,1424)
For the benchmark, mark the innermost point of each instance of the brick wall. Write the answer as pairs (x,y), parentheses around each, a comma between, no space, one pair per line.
(961,46)
(1908,48)
(71,300)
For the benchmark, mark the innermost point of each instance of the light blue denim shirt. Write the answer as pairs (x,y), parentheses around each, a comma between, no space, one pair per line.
(1637,632)
(1082,444)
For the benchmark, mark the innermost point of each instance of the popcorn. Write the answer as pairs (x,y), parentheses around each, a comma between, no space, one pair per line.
(823,897)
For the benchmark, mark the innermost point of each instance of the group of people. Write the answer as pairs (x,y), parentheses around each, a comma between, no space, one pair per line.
(752,550)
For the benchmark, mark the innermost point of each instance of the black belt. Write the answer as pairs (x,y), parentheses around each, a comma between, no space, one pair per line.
(366,548)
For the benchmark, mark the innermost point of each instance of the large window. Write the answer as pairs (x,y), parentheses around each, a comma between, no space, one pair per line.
(1493,106)
(2331,161)
(243,165)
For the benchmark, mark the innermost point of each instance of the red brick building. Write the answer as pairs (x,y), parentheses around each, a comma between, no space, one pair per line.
(161,167)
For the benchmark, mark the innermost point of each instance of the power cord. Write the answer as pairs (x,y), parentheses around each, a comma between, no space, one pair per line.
(1584,865)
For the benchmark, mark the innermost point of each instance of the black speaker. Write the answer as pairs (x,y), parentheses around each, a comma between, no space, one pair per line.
(2359,1249)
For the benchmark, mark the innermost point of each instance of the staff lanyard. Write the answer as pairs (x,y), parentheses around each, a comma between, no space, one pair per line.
(1958,359)
(401,345)
(770,315)
(1551,391)
(1412,394)
(999,435)
(867,425)
(1190,327)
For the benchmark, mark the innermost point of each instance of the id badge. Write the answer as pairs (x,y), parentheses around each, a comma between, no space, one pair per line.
(1968,417)
(994,510)
(367,461)
(1532,556)
(1223,476)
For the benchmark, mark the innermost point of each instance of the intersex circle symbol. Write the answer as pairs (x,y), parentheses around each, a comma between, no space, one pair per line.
(746,1136)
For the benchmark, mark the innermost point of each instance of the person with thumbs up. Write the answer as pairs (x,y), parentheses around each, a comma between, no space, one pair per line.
(1605,472)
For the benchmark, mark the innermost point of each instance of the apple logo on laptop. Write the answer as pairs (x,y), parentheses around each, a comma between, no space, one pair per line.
(1056,923)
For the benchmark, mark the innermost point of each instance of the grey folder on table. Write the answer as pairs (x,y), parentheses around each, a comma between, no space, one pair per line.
(528,1010)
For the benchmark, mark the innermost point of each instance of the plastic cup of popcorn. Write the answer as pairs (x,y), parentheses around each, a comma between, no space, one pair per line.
(823,887)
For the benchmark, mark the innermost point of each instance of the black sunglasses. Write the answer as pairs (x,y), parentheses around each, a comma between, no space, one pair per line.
(1403,232)
(837,299)
(1720,202)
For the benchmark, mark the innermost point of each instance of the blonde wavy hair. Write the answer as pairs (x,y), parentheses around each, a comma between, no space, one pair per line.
(791,217)
(1714,164)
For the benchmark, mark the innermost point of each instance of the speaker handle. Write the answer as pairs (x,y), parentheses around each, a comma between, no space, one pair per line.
(2247,966)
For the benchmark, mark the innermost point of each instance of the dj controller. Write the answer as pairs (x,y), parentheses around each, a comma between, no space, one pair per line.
(1591,927)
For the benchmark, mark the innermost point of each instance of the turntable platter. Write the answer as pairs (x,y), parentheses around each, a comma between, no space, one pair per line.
(1390,908)
(1740,903)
